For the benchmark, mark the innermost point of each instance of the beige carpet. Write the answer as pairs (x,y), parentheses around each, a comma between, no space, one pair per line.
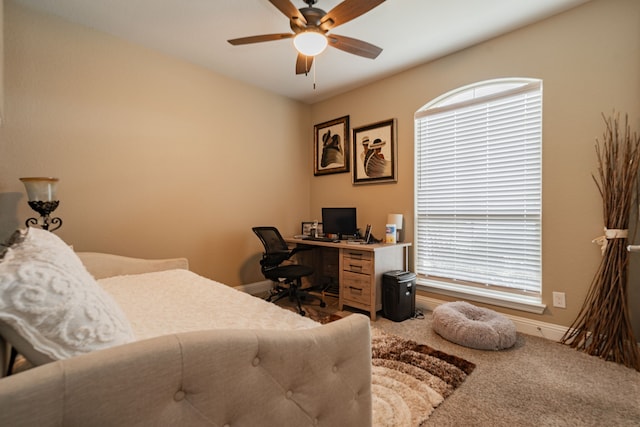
(536,383)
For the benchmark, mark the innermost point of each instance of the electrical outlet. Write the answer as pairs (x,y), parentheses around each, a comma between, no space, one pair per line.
(559,300)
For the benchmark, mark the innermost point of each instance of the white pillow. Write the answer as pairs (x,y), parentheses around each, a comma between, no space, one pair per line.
(50,301)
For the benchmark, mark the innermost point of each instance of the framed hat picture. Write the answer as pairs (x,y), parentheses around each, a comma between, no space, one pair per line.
(375,152)
(331,147)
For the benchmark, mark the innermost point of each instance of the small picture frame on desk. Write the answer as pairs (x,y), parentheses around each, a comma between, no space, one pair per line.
(307,226)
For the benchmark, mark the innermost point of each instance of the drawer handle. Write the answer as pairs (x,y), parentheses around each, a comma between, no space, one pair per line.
(358,290)
(359,267)
(355,254)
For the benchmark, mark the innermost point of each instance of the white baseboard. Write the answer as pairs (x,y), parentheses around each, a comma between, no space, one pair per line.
(546,330)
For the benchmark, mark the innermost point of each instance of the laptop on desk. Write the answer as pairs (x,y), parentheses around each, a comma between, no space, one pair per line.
(364,241)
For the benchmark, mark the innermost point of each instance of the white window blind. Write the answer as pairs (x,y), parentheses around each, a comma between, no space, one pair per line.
(478,188)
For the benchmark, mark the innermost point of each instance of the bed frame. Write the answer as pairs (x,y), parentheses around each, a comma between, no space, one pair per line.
(313,377)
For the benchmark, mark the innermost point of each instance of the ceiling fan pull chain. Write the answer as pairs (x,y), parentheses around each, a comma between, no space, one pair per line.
(314,73)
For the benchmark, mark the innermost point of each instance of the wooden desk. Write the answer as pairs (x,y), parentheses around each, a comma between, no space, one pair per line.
(358,269)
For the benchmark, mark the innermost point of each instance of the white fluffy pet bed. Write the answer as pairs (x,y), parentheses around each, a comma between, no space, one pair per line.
(475,327)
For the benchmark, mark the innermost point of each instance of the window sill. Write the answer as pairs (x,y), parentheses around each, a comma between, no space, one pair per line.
(531,304)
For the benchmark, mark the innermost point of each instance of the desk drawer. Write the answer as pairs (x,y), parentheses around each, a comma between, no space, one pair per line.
(357,264)
(356,287)
(355,254)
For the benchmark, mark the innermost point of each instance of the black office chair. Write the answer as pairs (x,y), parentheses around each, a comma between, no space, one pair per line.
(288,276)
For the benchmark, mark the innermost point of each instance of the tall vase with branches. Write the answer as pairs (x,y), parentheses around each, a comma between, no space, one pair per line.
(603,327)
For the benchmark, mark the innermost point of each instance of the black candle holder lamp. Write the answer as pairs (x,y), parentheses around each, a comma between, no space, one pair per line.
(41,192)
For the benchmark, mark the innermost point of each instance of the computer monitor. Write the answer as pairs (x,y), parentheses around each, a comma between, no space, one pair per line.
(341,221)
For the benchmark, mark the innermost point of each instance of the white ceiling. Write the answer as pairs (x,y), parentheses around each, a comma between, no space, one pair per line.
(410,32)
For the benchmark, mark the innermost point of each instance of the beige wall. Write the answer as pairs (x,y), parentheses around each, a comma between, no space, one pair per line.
(156,157)
(1,60)
(589,60)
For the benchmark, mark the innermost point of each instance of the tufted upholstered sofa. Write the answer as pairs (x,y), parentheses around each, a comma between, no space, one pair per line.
(313,377)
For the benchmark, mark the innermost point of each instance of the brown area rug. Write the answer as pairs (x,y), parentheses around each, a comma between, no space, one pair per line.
(410,380)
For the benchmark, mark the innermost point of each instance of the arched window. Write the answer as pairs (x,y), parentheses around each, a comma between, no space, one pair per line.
(478,190)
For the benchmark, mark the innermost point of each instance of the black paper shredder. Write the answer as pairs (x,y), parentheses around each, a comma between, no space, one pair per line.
(398,295)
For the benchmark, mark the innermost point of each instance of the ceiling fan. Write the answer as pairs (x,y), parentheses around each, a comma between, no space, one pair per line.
(311,26)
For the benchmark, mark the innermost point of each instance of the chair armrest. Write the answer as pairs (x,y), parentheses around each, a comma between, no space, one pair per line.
(300,249)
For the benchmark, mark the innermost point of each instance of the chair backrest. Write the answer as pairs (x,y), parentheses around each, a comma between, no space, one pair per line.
(275,248)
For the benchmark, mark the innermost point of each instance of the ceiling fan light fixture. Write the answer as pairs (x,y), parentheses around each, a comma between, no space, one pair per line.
(310,43)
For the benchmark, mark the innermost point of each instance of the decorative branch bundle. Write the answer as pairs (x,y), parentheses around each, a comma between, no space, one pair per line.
(603,327)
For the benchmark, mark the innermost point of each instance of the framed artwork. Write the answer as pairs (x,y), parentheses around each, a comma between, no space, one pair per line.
(331,147)
(375,152)
(306,228)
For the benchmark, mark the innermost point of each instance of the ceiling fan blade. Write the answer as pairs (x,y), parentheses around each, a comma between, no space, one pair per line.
(346,11)
(303,64)
(289,10)
(354,46)
(259,39)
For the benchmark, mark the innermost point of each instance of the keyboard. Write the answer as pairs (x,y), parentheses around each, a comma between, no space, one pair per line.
(320,239)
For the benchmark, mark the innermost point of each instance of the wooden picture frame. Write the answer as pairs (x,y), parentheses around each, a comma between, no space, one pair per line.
(306,228)
(375,153)
(331,147)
